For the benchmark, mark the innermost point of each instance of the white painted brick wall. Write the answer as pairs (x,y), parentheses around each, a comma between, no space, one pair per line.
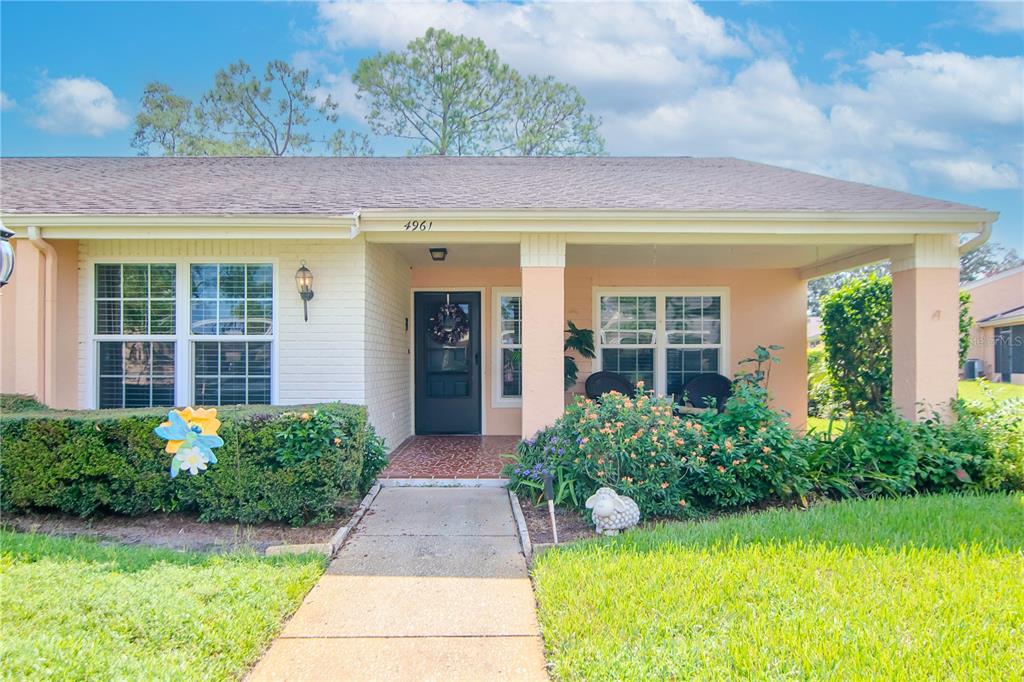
(317,361)
(387,344)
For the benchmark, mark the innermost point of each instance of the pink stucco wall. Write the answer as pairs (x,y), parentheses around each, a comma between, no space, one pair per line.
(925,327)
(991,297)
(21,324)
(767,306)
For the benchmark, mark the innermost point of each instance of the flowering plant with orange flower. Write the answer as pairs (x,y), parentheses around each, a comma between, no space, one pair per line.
(670,465)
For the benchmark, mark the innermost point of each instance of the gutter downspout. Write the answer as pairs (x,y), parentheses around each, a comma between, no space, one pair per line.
(48,386)
(976,242)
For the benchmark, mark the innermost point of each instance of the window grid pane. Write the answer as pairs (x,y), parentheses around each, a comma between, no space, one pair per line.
(136,374)
(636,364)
(134,299)
(628,320)
(693,320)
(231,299)
(231,372)
(511,342)
(682,364)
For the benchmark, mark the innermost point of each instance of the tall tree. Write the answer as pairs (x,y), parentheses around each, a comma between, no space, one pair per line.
(989,259)
(452,95)
(268,113)
(242,115)
(349,143)
(166,120)
(551,119)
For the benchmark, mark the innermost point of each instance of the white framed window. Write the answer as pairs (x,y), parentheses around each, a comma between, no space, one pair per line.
(134,330)
(508,347)
(181,331)
(231,323)
(662,337)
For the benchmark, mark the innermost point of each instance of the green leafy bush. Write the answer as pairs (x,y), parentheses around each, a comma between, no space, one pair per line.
(669,465)
(19,402)
(821,399)
(856,329)
(1002,422)
(276,464)
(884,454)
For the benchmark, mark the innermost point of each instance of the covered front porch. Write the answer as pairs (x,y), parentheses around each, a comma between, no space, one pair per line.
(663,306)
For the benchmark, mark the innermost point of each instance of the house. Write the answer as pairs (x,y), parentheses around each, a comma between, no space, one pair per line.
(160,281)
(997,337)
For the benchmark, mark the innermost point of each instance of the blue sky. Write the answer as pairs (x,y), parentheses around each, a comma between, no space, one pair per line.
(924,97)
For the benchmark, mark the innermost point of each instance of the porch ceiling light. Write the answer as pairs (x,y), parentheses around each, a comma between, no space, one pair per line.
(304,283)
(6,255)
(438,253)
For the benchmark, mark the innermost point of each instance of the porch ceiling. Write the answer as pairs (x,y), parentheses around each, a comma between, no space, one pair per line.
(647,255)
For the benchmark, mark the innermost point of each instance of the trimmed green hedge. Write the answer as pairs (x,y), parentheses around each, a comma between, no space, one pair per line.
(110,461)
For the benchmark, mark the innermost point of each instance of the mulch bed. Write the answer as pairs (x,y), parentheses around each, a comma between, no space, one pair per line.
(175,531)
(571,524)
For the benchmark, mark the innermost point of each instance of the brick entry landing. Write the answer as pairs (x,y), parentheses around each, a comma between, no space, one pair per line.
(450,457)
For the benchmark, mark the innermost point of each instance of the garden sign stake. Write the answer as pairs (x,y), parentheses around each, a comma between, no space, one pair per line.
(549,493)
(191,436)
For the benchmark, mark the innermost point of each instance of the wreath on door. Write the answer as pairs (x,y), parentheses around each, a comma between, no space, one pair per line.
(449,325)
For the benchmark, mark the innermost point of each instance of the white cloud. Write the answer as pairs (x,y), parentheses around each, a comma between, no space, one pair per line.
(78,105)
(341,89)
(942,119)
(610,49)
(1000,17)
(969,174)
(6,102)
(661,77)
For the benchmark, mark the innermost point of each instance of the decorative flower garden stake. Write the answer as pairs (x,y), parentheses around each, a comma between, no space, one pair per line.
(191,436)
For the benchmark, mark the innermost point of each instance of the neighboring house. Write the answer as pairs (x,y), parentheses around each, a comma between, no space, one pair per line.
(158,281)
(813,331)
(997,337)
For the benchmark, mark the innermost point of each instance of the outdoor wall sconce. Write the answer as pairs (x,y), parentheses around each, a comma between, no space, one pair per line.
(438,253)
(6,256)
(304,283)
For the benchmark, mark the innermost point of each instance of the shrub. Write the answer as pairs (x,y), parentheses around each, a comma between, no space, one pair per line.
(821,400)
(856,329)
(884,454)
(856,324)
(1002,422)
(18,402)
(669,465)
(276,464)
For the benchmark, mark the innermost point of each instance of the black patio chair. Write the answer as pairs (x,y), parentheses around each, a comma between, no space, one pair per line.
(600,383)
(707,390)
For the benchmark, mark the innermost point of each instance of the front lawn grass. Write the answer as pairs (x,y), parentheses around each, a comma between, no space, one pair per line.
(914,588)
(972,390)
(966,390)
(74,609)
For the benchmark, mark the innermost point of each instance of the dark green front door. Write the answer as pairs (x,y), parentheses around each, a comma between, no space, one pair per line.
(447,362)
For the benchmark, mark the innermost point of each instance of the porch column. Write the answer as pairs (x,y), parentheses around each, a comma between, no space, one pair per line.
(542,261)
(925,324)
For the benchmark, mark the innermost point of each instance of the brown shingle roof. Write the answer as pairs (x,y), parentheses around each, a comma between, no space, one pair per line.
(330,186)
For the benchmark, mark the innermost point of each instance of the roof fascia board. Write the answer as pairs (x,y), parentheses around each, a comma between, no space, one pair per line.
(679,222)
(630,237)
(98,226)
(527,215)
(1011,321)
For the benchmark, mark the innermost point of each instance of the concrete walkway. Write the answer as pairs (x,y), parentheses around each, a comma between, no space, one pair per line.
(432,586)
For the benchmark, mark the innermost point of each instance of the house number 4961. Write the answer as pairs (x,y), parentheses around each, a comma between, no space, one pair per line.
(419,225)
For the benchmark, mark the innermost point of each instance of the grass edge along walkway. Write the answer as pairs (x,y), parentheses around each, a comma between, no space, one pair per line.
(916,588)
(76,609)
